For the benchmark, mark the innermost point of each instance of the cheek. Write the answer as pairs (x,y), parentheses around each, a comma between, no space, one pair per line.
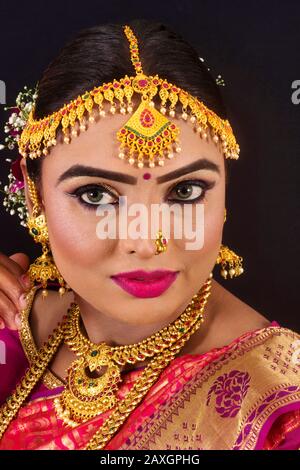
(72,233)
(211,228)
(208,224)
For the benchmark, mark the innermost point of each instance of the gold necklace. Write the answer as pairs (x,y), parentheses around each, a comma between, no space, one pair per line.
(13,403)
(124,407)
(87,395)
(143,383)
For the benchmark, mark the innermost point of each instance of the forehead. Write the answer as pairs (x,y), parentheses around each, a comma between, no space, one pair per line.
(98,146)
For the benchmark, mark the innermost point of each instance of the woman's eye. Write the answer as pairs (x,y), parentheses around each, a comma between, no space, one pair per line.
(189,191)
(97,196)
(94,196)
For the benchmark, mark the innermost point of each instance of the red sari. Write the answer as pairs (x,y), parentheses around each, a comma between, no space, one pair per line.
(245,395)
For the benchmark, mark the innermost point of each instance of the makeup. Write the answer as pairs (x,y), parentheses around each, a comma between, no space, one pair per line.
(144,284)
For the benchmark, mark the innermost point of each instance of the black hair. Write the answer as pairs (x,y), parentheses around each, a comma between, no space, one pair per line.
(101,53)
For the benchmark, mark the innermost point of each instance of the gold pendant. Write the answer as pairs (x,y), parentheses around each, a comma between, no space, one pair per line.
(147,134)
(87,395)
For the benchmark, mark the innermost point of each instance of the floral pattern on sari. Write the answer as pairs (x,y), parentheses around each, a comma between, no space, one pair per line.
(230,390)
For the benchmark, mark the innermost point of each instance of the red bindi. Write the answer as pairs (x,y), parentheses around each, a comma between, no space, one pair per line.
(146,176)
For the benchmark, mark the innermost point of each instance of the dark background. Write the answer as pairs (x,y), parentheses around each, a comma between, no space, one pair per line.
(254,45)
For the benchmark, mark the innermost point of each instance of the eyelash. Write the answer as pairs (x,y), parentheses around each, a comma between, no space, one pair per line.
(78,193)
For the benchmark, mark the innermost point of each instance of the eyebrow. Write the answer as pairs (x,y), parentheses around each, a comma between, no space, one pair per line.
(82,170)
(201,164)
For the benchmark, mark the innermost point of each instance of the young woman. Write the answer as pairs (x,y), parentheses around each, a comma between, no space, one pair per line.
(145,351)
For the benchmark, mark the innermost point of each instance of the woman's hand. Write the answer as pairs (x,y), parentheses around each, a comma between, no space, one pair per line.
(13,286)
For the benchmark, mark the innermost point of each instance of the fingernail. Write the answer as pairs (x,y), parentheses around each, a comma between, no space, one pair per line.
(25,280)
(22,301)
(2,325)
(18,321)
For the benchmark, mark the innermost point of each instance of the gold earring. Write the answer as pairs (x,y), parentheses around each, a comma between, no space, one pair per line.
(43,269)
(225,215)
(161,243)
(230,262)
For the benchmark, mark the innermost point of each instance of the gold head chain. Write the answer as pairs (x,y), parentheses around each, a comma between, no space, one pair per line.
(148,137)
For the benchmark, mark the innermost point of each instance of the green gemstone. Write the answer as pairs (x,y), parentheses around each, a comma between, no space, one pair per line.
(182,330)
(94,353)
(85,96)
(91,384)
(34,231)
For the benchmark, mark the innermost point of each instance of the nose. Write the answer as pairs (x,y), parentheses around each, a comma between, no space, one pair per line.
(145,242)
(138,235)
(143,248)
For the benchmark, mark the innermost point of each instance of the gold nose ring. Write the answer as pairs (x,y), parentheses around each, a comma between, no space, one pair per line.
(161,243)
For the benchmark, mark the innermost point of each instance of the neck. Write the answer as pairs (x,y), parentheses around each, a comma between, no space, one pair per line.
(114,332)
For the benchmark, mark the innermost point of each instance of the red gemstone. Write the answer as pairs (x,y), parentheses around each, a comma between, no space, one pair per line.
(166,133)
(123,131)
(165,85)
(150,143)
(173,126)
(131,136)
(147,118)
(143,83)
(174,89)
(140,141)
(158,139)
(106,87)
(155,81)
(116,85)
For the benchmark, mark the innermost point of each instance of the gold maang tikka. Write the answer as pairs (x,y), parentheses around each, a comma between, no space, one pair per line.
(148,137)
(43,269)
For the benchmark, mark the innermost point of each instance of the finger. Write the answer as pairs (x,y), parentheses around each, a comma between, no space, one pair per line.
(8,312)
(23,261)
(11,287)
(11,265)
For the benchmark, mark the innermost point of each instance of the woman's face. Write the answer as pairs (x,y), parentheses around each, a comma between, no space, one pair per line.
(87,262)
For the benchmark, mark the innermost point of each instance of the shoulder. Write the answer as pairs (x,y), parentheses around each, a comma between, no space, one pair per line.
(269,362)
(254,384)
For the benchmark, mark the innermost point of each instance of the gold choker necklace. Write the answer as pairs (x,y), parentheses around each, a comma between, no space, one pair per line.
(93,379)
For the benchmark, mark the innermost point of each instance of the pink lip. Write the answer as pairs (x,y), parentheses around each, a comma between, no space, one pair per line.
(144,284)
